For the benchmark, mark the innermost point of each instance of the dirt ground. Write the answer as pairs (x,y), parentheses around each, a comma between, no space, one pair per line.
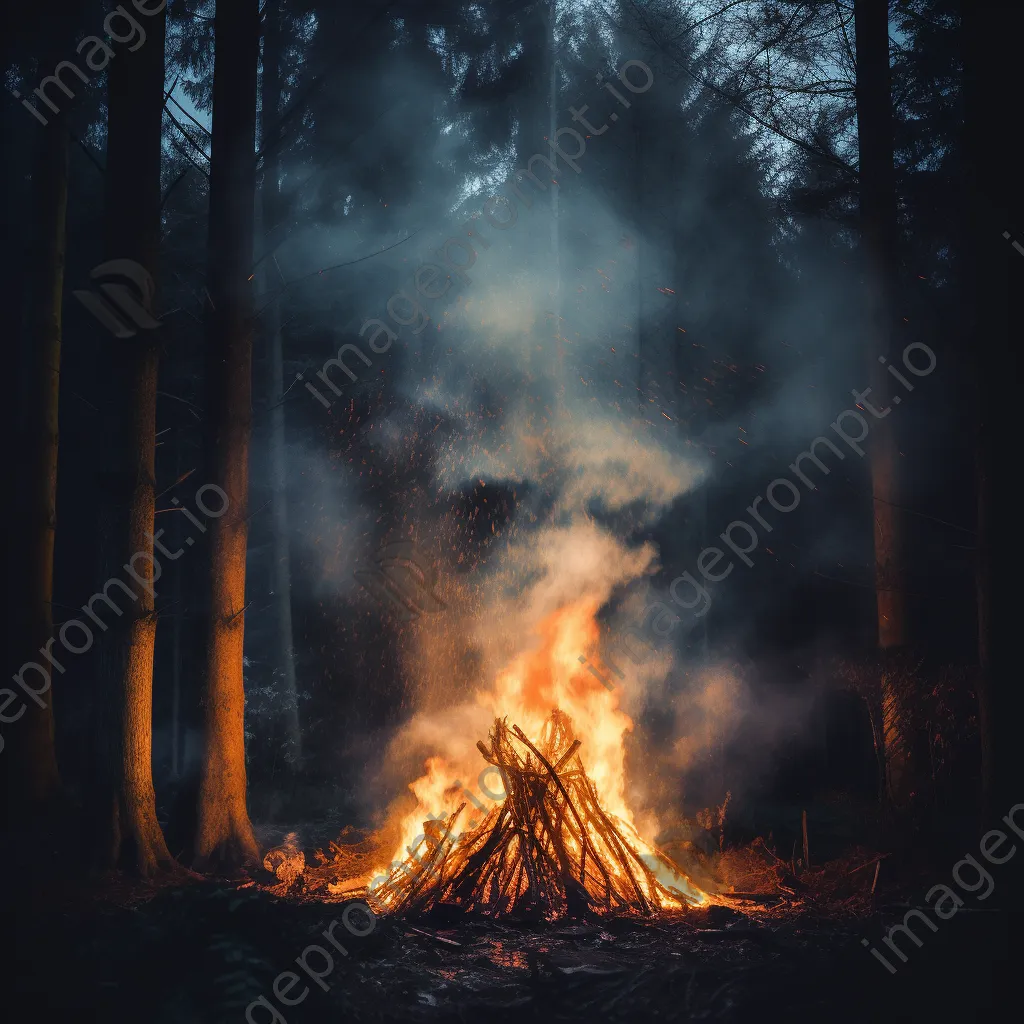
(203,952)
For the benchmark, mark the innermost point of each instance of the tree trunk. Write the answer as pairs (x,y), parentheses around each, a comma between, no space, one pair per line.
(225,839)
(33,768)
(272,216)
(994,272)
(533,116)
(881,277)
(131,835)
(556,265)
(639,228)
(531,104)
(177,642)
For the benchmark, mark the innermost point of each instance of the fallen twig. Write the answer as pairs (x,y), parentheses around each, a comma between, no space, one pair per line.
(867,864)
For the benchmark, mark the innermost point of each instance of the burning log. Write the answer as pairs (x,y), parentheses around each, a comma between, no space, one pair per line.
(548,849)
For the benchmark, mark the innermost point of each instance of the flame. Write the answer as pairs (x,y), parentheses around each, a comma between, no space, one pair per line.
(548,677)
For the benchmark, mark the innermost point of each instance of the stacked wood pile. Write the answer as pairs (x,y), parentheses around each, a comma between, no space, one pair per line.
(548,849)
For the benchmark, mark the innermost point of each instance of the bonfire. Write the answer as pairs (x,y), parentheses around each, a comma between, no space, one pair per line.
(549,848)
(560,840)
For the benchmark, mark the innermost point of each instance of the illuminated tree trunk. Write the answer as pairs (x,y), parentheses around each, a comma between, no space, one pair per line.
(33,764)
(881,269)
(224,839)
(130,834)
(270,195)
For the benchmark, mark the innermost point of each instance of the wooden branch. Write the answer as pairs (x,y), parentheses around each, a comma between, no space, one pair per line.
(546,846)
(867,864)
(201,170)
(558,782)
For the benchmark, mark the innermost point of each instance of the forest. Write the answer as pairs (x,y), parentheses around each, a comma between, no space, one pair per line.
(577,581)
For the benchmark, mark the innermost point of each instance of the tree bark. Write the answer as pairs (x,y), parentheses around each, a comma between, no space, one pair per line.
(225,839)
(994,276)
(272,215)
(33,764)
(130,834)
(640,229)
(881,276)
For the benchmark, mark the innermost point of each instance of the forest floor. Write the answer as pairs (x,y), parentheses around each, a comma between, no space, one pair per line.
(201,952)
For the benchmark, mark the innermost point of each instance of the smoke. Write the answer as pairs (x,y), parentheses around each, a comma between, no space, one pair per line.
(332,531)
(708,714)
(497,618)
(594,457)
(539,374)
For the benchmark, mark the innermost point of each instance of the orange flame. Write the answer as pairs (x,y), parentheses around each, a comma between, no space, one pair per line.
(538,681)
